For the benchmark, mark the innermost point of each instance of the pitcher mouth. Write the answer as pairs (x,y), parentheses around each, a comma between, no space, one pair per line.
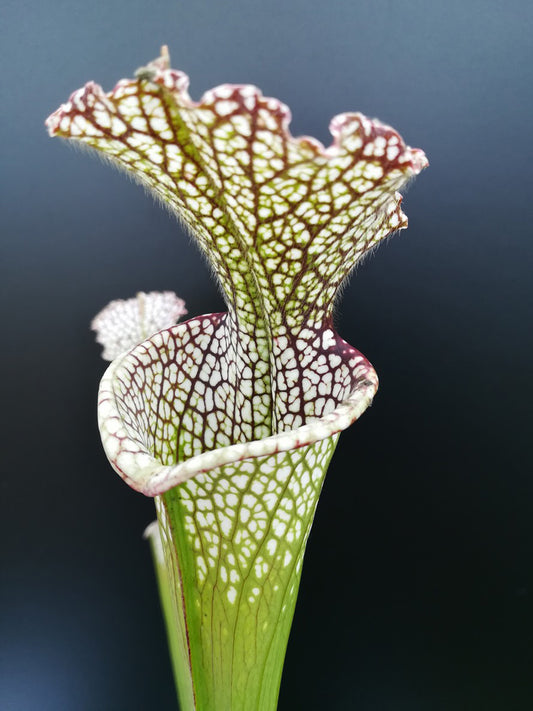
(126,431)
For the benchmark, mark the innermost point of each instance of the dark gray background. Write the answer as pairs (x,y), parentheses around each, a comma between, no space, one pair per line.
(417,591)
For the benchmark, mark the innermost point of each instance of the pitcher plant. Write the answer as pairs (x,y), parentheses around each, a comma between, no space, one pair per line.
(229,420)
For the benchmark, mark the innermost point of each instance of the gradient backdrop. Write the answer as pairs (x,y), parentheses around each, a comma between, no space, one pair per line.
(417,592)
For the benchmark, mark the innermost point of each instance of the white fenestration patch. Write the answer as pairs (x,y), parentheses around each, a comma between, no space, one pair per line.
(254,561)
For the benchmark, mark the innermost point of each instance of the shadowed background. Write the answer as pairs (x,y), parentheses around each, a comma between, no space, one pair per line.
(417,591)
